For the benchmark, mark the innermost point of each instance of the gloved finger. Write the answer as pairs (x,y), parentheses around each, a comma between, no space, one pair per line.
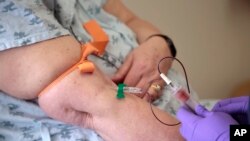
(233,108)
(230,100)
(123,70)
(202,111)
(186,131)
(186,116)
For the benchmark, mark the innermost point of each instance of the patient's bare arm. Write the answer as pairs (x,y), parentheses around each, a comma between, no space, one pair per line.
(27,70)
(94,105)
(85,99)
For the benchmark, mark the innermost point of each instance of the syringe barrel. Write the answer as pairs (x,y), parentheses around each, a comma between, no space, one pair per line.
(132,90)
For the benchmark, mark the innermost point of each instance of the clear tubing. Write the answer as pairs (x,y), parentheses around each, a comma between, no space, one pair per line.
(132,90)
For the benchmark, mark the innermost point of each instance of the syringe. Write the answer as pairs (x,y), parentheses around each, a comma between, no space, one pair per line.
(180,93)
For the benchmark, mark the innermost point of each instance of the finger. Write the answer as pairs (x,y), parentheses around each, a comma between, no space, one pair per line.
(157,85)
(202,111)
(144,91)
(148,80)
(149,93)
(132,77)
(239,107)
(123,70)
(147,98)
(187,131)
(229,101)
(151,78)
(154,92)
(144,84)
(186,116)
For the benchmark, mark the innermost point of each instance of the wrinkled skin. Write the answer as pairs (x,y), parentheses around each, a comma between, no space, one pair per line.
(87,100)
(74,100)
(151,52)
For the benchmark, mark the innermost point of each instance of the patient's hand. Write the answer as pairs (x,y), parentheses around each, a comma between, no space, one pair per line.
(151,52)
(88,100)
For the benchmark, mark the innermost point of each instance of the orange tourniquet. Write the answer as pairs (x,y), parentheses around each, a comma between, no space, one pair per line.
(100,39)
(97,46)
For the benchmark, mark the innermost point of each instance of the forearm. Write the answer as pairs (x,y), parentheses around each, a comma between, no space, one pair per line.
(95,106)
(144,30)
(25,71)
(141,28)
(135,121)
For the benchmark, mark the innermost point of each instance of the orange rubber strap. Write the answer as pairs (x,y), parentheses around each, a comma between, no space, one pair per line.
(83,65)
(100,39)
(97,46)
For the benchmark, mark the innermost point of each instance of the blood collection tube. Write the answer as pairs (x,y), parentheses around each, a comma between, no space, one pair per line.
(183,96)
(180,93)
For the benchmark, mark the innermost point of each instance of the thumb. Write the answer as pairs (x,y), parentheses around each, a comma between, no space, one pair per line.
(123,70)
(202,111)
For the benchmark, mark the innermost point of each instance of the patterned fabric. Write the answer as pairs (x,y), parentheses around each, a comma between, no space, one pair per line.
(24,22)
(121,38)
(38,22)
(25,121)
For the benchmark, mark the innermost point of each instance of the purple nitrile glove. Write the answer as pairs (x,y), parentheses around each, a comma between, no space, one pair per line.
(236,107)
(205,125)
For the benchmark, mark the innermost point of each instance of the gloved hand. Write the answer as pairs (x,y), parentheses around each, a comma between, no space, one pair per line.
(236,107)
(205,125)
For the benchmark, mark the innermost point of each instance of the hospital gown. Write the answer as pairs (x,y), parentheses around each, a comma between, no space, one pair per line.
(24,22)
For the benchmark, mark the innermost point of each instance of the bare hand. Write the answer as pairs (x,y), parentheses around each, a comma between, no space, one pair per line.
(140,66)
